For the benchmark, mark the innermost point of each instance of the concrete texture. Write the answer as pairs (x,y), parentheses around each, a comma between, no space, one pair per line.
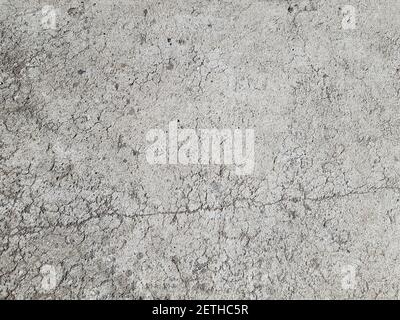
(82,213)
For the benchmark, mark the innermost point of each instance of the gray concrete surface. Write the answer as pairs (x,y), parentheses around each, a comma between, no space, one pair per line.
(84,215)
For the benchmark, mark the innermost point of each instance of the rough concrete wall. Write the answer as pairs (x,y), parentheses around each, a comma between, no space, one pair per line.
(84,215)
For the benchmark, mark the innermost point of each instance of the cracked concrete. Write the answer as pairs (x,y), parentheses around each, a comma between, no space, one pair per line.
(83,215)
